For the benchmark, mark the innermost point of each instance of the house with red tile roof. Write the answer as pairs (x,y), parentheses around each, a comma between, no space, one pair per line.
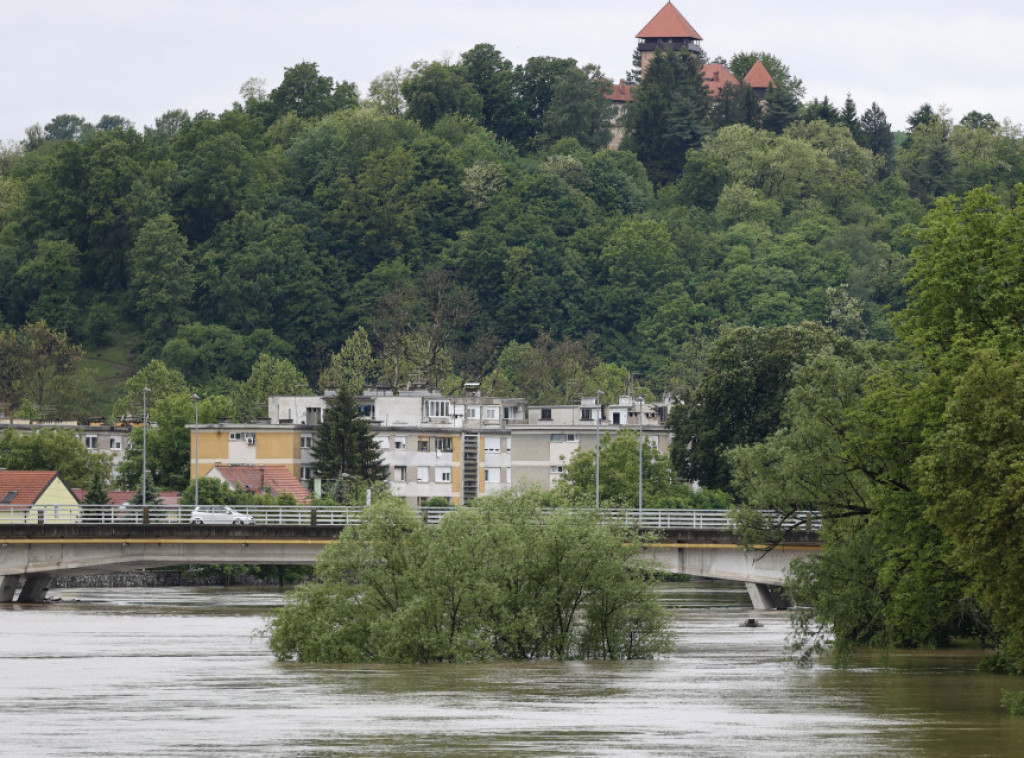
(716,76)
(28,496)
(262,479)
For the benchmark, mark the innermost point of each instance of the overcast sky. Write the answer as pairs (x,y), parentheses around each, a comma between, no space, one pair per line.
(141,58)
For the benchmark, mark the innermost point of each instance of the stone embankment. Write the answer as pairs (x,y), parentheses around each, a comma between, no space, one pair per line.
(169,578)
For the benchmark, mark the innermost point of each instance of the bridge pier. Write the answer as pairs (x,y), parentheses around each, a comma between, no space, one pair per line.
(8,586)
(35,587)
(766,597)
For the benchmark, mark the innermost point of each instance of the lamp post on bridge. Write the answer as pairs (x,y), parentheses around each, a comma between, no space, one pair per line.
(597,463)
(195,399)
(145,422)
(641,501)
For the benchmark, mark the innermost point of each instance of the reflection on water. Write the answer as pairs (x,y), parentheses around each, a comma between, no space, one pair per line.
(176,672)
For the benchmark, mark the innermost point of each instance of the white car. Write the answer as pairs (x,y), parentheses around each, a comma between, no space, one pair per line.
(219,514)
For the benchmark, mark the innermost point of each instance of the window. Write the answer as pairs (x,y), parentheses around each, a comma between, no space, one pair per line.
(306,441)
(545,414)
(399,472)
(115,443)
(492,474)
(306,472)
(234,436)
(492,444)
(587,414)
(443,444)
(443,474)
(472,411)
(383,442)
(423,473)
(366,409)
(572,438)
(491,413)
(399,443)
(423,444)
(91,441)
(437,409)
(556,470)
(558,438)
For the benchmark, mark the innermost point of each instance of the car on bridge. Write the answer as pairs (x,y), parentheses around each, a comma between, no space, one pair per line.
(219,514)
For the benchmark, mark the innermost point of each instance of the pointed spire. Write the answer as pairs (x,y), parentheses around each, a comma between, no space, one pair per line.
(758,77)
(668,23)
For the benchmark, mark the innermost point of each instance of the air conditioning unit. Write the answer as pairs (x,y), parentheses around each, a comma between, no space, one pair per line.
(250,440)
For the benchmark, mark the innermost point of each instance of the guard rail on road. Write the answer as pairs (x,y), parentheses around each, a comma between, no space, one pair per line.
(300,515)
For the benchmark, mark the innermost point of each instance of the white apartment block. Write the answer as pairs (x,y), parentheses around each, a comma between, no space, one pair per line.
(459,447)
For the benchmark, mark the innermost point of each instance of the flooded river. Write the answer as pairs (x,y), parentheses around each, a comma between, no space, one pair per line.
(180,672)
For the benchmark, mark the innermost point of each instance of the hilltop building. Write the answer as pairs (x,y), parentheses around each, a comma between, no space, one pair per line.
(670,31)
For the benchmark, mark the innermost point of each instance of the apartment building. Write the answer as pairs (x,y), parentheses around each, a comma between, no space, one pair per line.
(454,447)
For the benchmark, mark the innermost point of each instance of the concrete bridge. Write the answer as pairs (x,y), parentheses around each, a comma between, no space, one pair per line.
(698,543)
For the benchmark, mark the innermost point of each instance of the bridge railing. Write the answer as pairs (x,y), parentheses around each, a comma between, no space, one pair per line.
(302,515)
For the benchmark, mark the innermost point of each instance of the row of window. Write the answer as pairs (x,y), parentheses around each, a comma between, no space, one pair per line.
(443,474)
(443,409)
(92,442)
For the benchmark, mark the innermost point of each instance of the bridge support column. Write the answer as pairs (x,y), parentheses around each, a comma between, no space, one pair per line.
(766,597)
(35,588)
(8,586)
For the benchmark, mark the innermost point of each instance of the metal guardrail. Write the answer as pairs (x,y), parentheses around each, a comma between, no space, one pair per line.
(298,515)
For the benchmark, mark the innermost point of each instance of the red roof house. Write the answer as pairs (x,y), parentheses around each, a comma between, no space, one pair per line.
(32,495)
(716,76)
(273,480)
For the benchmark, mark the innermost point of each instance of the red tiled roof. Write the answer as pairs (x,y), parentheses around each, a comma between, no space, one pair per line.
(716,76)
(26,486)
(621,92)
(119,497)
(668,24)
(758,77)
(275,479)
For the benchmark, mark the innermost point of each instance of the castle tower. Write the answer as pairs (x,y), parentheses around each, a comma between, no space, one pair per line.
(668,30)
(759,80)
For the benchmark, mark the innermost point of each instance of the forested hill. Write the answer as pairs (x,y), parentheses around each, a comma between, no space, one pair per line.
(467,217)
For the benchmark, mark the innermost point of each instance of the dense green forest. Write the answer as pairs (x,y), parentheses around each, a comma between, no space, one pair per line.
(835,304)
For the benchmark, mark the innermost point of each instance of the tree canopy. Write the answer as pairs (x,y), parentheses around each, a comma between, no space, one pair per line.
(509,578)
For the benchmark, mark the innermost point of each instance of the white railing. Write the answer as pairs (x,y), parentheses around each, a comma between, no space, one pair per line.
(301,515)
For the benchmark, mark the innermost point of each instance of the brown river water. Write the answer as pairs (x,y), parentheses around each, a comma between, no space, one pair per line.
(180,672)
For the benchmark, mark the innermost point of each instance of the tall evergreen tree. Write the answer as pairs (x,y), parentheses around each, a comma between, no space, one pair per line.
(343,444)
(669,116)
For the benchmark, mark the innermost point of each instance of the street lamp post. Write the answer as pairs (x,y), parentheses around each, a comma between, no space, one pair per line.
(195,399)
(597,467)
(145,423)
(641,399)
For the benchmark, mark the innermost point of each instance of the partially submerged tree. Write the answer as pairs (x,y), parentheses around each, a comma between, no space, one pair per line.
(504,579)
